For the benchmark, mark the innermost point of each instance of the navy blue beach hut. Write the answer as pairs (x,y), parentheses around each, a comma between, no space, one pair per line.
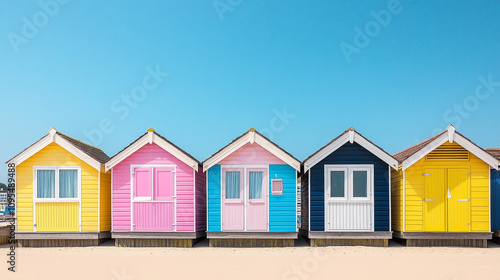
(346,193)
(495,197)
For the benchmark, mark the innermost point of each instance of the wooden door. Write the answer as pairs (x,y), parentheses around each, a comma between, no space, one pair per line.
(434,203)
(458,200)
(257,199)
(233,205)
(154,199)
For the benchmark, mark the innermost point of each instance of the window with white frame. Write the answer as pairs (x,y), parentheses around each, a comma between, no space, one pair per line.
(57,183)
(277,186)
(349,182)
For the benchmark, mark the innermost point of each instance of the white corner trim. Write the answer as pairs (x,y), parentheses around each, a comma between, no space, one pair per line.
(248,138)
(451,136)
(52,137)
(352,137)
(252,137)
(150,138)
(451,133)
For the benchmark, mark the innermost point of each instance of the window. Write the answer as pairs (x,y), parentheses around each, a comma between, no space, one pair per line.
(233,184)
(277,186)
(360,183)
(153,183)
(352,182)
(54,183)
(337,183)
(255,182)
(68,183)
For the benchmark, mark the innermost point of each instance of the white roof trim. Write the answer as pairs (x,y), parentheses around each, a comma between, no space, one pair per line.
(52,137)
(151,138)
(352,136)
(251,137)
(451,136)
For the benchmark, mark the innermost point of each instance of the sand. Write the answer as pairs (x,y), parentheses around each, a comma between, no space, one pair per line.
(202,262)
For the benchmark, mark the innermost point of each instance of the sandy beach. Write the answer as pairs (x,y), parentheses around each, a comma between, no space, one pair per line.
(300,262)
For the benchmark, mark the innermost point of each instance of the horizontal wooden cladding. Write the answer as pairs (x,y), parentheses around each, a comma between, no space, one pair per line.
(54,155)
(152,154)
(414,192)
(495,200)
(448,152)
(283,208)
(105,200)
(201,200)
(57,216)
(350,154)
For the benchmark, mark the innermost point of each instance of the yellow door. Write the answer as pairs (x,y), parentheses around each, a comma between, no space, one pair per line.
(434,199)
(458,199)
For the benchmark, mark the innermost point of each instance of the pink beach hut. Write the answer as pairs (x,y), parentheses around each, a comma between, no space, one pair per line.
(158,194)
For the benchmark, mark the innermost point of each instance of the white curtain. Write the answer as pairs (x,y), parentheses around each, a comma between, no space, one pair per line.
(255,182)
(232,184)
(68,183)
(45,183)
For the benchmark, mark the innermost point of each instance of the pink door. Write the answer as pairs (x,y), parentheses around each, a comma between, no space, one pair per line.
(154,199)
(233,207)
(257,199)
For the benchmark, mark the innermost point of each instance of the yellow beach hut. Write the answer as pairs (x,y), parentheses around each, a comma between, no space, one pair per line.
(441,194)
(63,194)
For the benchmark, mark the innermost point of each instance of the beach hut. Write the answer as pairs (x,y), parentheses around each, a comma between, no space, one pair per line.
(495,197)
(346,193)
(63,193)
(441,192)
(252,194)
(158,194)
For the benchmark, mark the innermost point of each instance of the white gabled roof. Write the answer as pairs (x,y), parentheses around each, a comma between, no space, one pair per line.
(450,135)
(251,136)
(148,138)
(71,145)
(350,135)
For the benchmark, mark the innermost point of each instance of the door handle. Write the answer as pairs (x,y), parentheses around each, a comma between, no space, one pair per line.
(463,199)
(429,199)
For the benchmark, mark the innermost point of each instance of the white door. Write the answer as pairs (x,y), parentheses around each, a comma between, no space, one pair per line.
(349,198)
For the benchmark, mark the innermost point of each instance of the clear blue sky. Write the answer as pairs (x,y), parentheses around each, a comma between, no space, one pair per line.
(238,64)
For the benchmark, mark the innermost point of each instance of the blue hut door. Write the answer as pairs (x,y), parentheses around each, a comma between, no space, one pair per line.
(349,198)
